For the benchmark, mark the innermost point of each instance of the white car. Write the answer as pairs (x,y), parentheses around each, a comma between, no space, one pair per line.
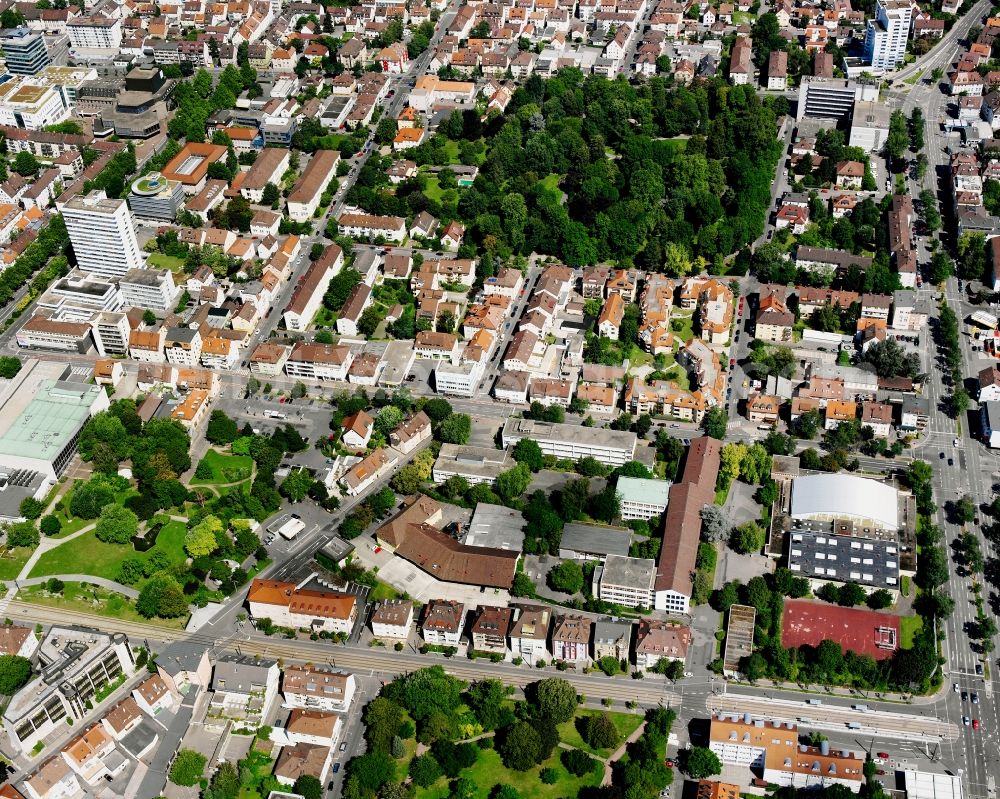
(955,442)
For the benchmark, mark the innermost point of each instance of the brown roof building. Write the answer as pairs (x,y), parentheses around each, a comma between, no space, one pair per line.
(413,537)
(682,525)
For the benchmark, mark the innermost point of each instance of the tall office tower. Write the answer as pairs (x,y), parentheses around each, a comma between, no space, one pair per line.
(24,50)
(885,40)
(102,234)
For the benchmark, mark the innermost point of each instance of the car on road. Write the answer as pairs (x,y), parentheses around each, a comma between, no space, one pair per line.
(941,455)
(343,746)
(951,461)
(732,362)
(954,687)
(669,762)
(979,669)
(883,755)
(675,426)
(965,696)
(336,768)
(975,724)
(954,443)
(966,721)
(975,698)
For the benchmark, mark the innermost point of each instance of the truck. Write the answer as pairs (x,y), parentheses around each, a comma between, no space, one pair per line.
(291,528)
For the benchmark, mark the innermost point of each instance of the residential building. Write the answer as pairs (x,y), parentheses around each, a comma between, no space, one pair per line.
(54,780)
(317,688)
(286,605)
(411,433)
(442,622)
(153,695)
(367,226)
(73,665)
(308,294)
(530,633)
(612,638)
(364,474)
(307,192)
(490,629)
(612,314)
(392,618)
(102,233)
(571,639)
(357,301)
(658,640)
(887,34)
(773,749)
(358,428)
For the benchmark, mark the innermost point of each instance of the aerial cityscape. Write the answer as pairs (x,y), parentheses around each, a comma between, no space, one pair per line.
(530,399)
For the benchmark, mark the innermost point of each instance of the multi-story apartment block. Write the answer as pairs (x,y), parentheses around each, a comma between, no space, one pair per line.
(317,688)
(490,629)
(102,233)
(442,623)
(73,666)
(887,34)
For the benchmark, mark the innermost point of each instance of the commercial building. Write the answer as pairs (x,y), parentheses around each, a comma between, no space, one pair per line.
(307,192)
(495,526)
(25,51)
(269,166)
(626,581)
(610,447)
(308,294)
(319,361)
(772,748)
(79,295)
(73,666)
(287,605)
(887,34)
(642,498)
(41,420)
(102,233)
(475,464)
(155,197)
(46,331)
(831,497)
(31,107)
(411,534)
(682,525)
(832,98)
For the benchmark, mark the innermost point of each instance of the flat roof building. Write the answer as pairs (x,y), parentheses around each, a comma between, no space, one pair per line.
(475,464)
(642,498)
(626,581)
(593,542)
(495,526)
(610,447)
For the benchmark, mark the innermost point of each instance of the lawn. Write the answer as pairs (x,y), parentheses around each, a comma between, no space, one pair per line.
(490,771)
(625,723)
(433,191)
(686,322)
(383,591)
(225,468)
(171,262)
(451,147)
(12,561)
(908,628)
(638,357)
(87,555)
(94,600)
(70,524)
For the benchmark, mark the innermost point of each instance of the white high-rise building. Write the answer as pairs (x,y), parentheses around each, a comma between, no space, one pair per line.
(103,234)
(885,40)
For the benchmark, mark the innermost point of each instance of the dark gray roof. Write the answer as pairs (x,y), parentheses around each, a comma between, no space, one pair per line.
(607,631)
(240,672)
(591,539)
(870,562)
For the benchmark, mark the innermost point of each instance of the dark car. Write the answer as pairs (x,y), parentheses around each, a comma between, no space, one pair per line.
(336,767)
